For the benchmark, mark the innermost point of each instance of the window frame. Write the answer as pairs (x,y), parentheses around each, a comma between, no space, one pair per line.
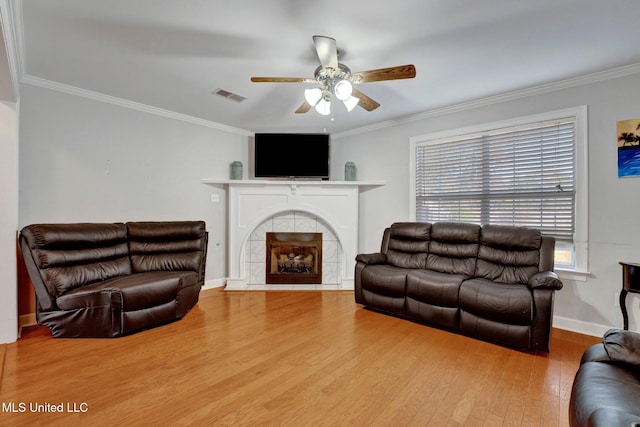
(580,113)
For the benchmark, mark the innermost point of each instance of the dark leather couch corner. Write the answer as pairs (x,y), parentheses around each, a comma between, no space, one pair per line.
(112,279)
(606,388)
(491,282)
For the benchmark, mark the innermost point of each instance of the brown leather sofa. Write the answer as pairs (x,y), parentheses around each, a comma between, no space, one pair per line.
(111,279)
(491,282)
(606,388)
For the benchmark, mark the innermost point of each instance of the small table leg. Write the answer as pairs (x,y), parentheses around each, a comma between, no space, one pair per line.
(623,307)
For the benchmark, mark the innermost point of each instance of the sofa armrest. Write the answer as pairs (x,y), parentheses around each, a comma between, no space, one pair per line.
(622,346)
(595,353)
(376,258)
(545,279)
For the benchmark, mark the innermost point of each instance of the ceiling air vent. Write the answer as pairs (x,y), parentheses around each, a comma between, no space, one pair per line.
(229,95)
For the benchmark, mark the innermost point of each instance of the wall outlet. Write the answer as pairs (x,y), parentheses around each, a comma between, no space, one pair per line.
(215,198)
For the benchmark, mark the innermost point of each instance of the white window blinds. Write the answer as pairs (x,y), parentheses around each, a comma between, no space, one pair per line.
(522,175)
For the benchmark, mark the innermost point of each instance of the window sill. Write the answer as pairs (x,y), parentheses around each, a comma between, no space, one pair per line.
(575,275)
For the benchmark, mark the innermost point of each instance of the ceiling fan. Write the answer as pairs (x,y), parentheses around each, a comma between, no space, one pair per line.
(337,80)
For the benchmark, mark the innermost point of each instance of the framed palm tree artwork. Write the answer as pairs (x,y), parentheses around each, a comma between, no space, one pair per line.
(628,132)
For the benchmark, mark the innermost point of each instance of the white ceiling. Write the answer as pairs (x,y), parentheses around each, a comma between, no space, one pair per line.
(171,55)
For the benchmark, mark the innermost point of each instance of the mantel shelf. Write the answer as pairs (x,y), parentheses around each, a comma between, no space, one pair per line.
(294,183)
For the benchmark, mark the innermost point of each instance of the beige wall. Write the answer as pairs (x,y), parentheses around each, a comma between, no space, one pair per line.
(8,222)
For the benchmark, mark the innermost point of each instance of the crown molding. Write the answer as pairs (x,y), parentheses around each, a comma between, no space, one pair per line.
(491,100)
(11,18)
(97,96)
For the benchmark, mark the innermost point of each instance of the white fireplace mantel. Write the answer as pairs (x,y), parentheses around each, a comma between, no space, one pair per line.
(292,183)
(250,202)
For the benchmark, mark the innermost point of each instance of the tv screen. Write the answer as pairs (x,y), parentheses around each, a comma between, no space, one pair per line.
(291,155)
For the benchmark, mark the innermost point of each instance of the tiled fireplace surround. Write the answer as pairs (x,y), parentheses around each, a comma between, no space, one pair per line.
(256,207)
(299,222)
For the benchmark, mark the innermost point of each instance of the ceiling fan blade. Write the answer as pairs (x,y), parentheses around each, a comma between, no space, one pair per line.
(391,73)
(327,51)
(283,80)
(365,102)
(303,108)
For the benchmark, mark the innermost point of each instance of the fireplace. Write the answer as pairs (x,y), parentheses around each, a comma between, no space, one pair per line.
(294,258)
(254,207)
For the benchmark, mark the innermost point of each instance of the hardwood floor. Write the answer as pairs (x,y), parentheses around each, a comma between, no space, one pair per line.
(286,358)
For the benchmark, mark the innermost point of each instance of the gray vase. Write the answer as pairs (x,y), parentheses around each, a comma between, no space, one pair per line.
(350,171)
(236,170)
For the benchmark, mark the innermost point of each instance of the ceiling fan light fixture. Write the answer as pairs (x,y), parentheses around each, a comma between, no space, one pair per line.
(312,96)
(351,103)
(343,90)
(336,80)
(324,107)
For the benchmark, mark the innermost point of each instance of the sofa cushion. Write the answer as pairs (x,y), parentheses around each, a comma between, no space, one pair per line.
(156,315)
(73,255)
(433,287)
(408,244)
(420,231)
(506,303)
(138,291)
(453,248)
(517,336)
(167,246)
(508,254)
(511,237)
(433,297)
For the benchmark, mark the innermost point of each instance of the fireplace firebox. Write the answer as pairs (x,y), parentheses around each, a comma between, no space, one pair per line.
(294,258)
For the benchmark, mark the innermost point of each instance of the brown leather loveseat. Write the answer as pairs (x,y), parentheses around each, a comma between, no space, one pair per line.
(606,388)
(111,279)
(491,282)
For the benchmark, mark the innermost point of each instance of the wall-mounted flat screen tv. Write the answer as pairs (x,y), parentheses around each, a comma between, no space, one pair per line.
(291,155)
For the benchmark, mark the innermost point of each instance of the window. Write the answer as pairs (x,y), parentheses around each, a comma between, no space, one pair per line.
(529,172)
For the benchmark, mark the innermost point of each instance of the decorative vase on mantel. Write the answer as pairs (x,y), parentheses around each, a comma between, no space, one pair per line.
(236,170)
(350,171)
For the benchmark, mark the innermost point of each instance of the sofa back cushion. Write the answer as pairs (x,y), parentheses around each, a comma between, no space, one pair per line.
(454,248)
(168,246)
(408,244)
(68,256)
(508,254)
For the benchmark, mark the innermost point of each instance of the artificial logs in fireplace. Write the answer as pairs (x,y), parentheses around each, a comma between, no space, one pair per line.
(294,258)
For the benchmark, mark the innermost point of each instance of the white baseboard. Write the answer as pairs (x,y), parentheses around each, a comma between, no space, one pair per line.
(580,327)
(213,283)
